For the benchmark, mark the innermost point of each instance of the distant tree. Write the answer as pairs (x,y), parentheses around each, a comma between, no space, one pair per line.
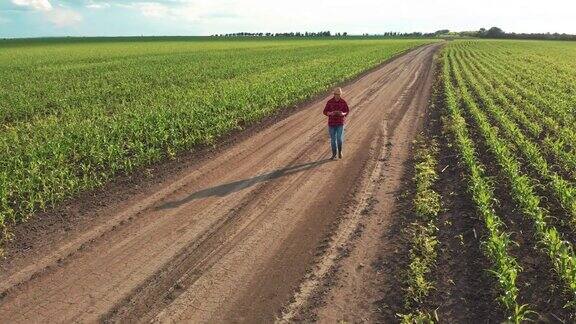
(441,32)
(495,32)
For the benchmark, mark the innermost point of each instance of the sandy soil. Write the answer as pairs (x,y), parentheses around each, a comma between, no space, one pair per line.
(248,235)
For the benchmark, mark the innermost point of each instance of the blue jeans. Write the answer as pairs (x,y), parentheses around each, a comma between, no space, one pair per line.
(336,138)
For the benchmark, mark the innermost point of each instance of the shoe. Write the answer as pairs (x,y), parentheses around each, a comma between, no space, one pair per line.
(339,155)
(333,157)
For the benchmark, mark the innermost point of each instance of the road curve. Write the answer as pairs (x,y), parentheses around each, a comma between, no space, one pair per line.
(232,238)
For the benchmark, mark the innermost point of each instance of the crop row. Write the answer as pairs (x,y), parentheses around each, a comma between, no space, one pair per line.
(497,244)
(422,232)
(563,137)
(559,142)
(562,189)
(522,186)
(540,72)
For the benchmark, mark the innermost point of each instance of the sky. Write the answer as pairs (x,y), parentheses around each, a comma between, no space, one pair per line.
(46,18)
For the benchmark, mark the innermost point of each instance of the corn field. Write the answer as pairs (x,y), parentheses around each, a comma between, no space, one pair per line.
(73,115)
(509,113)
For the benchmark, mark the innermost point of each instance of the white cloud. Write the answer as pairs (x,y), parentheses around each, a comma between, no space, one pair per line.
(98,5)
(153,9)
(43,5)
(59,16)
(184,10)
(63,17)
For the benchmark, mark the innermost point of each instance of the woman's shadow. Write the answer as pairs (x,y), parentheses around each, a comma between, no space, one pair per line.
(227,188)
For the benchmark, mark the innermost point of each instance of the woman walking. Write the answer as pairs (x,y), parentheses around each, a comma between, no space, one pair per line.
(336,109)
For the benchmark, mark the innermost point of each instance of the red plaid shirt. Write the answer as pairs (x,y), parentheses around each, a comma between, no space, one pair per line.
(336,105)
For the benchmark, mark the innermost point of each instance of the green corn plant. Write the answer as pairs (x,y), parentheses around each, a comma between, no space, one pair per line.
(497,244)
(560,251)
(562,189)
(422,232)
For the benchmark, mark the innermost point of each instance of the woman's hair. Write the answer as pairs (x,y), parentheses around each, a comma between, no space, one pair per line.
(338,91)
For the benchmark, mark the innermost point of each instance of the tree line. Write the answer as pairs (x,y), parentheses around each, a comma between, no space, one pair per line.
(324,34)
(289,34)
(493,32)
(496,32)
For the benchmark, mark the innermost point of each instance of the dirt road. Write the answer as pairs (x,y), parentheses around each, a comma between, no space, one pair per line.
(233,238)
